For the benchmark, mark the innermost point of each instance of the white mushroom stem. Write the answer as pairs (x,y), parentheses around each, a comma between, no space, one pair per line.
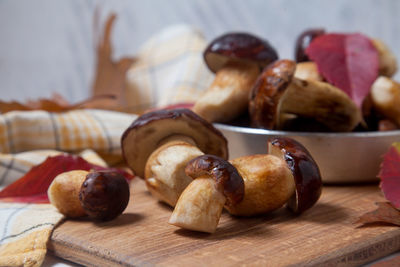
(321,101)
(165,169)
(307,71)
(199,206)
(227,97)
(385,95)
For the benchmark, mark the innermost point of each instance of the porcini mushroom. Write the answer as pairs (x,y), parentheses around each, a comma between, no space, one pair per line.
(385,96)
(303,41)
(236,58)
(287,175)
(277,93)
(158,145)
(216,183)
(305,171)
(387,60)
(307,71)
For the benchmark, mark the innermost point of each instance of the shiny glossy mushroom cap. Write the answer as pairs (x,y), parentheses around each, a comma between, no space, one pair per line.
(238,47)
(227,178)
(305,172)
(267,92)
(149,130)
(303,41)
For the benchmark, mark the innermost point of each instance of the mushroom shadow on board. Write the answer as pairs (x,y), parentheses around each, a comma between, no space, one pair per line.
(234,226)
(325,213)
(122,220)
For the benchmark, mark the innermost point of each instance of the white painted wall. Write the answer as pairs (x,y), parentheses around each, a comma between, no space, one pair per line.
(47,45)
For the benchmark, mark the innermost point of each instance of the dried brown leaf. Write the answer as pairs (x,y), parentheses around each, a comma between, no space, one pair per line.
(385,213)
(58,104)
(110,77)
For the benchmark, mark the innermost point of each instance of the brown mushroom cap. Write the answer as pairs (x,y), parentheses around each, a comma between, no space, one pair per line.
(277,93)
(227,178)
(147,131)
(238,47)
(267,92)
(305,172)
(303,41)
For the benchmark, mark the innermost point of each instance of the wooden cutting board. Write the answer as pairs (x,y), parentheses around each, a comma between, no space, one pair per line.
(325,235)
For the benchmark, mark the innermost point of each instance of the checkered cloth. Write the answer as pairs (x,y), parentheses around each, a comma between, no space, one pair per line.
(169,70)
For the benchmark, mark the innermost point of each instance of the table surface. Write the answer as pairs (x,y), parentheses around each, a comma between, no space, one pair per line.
(48,46)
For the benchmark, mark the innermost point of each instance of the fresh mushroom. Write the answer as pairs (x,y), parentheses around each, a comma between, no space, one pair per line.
(158,145)
(216,184)
(268,181)
(385,96)
(303,41)
(277,93)
(387,60)
(305,171)
(103,195)
(236,58)
(287,175)
(307,71)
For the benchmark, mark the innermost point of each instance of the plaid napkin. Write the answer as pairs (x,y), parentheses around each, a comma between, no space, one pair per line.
(169,70)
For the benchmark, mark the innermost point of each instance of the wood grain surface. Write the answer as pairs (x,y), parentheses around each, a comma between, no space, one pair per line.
(325,235)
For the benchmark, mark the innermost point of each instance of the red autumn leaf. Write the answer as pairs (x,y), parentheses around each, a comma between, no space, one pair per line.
(348,61)
(385,213)
(32,187)
(390,175)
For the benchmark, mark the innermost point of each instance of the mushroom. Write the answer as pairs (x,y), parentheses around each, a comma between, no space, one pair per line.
(305,171)
(216,183)
(63,193)
(387,60)
(288,174)
(158,145)
(277,93)
(268,181)
(236,59)
(385,96)
(104,195)
(307,71)
(303,41)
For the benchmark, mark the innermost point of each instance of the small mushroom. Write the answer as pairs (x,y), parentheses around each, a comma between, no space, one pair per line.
(158,145)
(385,96)
(236,58)
(63,193)
(387,60)
(104,195)
(305,171)
(277,93)
(216,183)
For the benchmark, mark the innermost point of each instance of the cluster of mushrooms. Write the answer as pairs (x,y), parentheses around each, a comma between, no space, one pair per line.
(183,159)
(252,85)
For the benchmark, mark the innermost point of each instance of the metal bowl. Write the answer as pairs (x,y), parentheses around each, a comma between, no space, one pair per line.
(341,157)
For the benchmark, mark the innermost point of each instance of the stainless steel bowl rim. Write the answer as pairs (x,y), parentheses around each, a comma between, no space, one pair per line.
(258,131)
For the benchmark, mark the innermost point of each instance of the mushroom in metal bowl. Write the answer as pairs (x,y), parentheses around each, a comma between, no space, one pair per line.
(278,94)
(236,59)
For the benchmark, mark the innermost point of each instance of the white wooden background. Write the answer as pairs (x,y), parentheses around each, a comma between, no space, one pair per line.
(47,45)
